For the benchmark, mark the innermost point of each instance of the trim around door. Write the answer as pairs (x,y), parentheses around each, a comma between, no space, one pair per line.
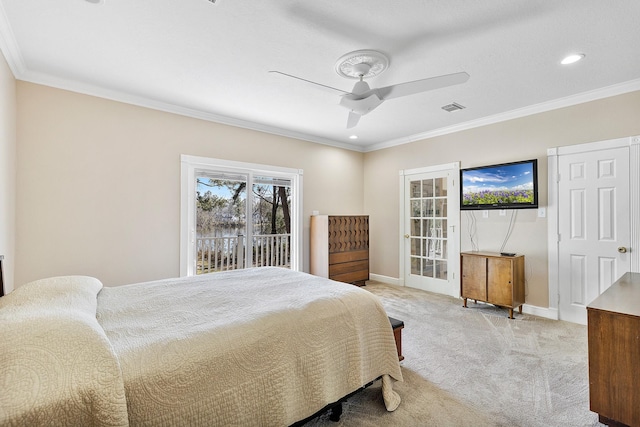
(190,165)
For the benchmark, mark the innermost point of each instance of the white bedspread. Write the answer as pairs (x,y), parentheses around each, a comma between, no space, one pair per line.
(57,367)
(262,346)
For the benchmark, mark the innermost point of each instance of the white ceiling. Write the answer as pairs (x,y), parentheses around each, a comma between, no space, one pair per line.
(211,59)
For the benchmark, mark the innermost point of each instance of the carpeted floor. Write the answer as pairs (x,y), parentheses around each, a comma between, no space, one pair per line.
(476,367)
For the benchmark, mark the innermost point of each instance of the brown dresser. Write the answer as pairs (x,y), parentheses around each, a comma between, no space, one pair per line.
(339,247)
(613,321)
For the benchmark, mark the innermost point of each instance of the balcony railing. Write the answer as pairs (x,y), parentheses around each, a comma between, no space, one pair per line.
(228,253)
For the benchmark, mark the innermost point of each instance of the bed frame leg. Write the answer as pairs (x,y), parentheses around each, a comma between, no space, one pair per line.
(336,412)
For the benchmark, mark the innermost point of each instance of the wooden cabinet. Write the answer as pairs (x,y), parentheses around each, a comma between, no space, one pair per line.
(339,247)
(613,324)
(492,278)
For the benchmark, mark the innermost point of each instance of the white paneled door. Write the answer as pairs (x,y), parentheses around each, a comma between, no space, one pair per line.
(431,218)
(594,226)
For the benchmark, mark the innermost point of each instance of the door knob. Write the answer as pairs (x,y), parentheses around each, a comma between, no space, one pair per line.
(406,236)
(622,250)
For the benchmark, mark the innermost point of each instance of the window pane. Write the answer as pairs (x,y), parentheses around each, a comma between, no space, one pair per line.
(427,188)
(415,247)
(441,187)
(436,230)
(416,189)
(427,224)
(428,207)
(415,208)
(221,222)
(441,207)
(415,227)
(441,269)
(415,266)
(427,268)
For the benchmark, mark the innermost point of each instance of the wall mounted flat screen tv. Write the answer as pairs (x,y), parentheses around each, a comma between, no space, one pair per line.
(501,186)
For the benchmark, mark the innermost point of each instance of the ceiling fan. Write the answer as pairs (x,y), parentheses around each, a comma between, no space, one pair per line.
(362,64)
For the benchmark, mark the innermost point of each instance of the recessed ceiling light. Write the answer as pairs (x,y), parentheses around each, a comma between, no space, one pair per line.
(353,137)
(95,1)
(572,58)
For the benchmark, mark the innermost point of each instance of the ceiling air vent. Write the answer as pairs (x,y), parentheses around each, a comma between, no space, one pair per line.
(453,107)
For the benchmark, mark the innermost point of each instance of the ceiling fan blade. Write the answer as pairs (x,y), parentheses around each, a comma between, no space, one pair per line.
(309,81)
(417,86)
(353,119)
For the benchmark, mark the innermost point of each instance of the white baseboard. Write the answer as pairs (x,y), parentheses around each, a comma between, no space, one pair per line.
(548,313)
(385,279)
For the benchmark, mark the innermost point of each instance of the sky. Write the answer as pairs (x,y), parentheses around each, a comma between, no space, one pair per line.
(222,191)
(511,177)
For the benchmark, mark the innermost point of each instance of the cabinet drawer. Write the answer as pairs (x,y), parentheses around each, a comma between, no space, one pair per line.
(348,267)
(339,257)
(352,276)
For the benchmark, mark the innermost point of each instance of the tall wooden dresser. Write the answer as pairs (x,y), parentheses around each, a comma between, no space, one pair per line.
(613,324)
(339,247)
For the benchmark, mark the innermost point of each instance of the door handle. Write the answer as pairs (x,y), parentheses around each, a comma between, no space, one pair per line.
(406,236)
(622,250)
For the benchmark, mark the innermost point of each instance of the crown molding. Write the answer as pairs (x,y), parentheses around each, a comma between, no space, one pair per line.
(580,98)
(141,101)
(9,47)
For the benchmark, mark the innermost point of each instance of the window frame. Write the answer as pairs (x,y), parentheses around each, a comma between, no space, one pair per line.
(191,166)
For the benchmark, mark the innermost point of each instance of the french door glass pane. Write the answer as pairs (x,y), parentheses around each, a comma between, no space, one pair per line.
(427,188)
(415,189)
(415,265)
(415,227)
(416,208)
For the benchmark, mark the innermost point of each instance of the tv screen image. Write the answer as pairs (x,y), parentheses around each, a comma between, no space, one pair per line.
(501,186)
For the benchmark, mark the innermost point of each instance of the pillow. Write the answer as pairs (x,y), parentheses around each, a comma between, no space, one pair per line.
(56,293)
(57,365)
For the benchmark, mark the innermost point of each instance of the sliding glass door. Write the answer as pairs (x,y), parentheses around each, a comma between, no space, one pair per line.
(239,217)
(226,239)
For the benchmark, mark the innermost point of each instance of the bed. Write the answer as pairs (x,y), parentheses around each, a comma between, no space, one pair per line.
(262,346)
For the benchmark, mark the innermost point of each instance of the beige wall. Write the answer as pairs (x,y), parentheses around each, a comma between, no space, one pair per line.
(99,183)
(7,171)
(513,140)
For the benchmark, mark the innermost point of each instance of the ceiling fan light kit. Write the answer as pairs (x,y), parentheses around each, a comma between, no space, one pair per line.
(573,58)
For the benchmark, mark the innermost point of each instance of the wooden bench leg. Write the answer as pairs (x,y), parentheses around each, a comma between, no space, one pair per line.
(397,326)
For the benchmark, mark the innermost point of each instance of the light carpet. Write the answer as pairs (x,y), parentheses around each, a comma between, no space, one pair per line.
(476,367)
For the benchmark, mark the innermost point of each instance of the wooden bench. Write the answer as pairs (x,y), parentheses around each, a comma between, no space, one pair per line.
(397,326)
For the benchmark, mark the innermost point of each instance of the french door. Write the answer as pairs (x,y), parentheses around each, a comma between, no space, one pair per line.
(430,216)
